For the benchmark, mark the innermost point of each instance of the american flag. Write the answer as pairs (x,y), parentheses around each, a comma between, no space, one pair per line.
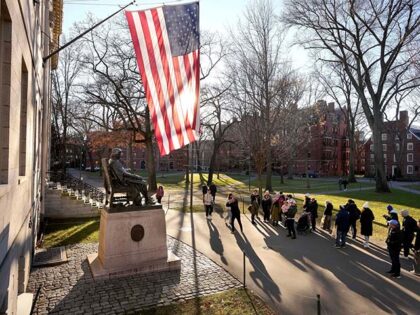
(167,45)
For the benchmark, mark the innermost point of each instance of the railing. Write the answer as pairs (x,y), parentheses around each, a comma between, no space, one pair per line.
(76,187)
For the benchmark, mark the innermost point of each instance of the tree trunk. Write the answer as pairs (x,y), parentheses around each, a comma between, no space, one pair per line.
(259,182)
(281,174)
(290,170)
(269,172)
(211,167)
(352,143)
(380,175)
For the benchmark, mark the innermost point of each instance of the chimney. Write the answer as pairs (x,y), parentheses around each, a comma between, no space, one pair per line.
(331,107)
(404,117)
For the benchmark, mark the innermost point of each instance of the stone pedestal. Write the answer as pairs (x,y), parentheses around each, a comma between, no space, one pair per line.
(132,240)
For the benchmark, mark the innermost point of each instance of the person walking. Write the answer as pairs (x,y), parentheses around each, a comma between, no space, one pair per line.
(342,223)
(236,213)
(228,217)
(208,204)
(306,201)
(253,208)
(312,208)
(409,227)
(204,190)
(416,249)
(290,218)
(276,208)
(159,194)
(366,222)
(393,242)
(354,213)
(326,219)
(266,206)
(213,191)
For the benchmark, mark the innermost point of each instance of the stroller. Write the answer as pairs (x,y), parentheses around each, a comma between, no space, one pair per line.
(303,223)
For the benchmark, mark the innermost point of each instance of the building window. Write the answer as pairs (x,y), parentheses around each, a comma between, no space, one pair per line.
(385,157)
(410,157)
(372,157)
(371,147)
(410,146)
(23,119)
(5,71)
(384,147)
(409,136)
(395,159)
(409,169)
(397,147)
(384,137)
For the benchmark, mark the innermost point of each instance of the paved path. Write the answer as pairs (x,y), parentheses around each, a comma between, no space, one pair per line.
(69,288)
(288,274)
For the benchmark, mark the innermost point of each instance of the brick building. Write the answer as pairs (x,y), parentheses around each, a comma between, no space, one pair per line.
(401,149)
(29,30)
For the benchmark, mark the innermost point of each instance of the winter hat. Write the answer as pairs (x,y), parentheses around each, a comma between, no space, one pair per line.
(116,151)
(393,222)
(307,195)
(389,208)
(404,213)
(365,205)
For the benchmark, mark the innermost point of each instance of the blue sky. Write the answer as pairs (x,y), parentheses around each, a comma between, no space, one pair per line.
(215,15)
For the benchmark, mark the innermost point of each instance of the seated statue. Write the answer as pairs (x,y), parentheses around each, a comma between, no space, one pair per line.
(135,183)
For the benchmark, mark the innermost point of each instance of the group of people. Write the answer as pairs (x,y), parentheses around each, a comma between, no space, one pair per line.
(283,208)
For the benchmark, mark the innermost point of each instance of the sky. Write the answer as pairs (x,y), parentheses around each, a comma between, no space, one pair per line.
(215,15)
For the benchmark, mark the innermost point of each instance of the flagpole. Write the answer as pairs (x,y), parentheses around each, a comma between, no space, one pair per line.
(191,162)
(85,32)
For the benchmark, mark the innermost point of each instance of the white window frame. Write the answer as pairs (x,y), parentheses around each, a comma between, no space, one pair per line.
(384,137)
(384,147)
(397,147)
(409,157)
(410,146)
(410,169)
(371,147)
(409,136)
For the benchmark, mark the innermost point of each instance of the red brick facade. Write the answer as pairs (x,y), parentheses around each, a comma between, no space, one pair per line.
(401,146)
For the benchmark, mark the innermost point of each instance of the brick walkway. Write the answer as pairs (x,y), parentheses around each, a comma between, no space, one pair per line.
(70,289)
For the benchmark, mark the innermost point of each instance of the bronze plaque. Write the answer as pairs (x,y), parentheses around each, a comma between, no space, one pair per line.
(137,233)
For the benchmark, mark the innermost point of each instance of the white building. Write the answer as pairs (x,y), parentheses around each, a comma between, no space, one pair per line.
(29,30)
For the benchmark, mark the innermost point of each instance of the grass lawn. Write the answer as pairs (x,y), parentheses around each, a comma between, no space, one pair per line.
(377,202)
(237,301)
(65,232)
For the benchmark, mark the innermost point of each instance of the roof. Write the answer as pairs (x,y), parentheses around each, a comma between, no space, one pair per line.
(416,132)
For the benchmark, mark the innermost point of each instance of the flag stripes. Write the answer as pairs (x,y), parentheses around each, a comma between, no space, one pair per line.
(171,82)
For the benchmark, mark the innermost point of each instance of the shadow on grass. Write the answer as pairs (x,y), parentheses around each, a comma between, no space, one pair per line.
(61,234)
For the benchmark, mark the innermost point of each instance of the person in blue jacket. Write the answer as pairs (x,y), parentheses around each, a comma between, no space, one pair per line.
(342,223)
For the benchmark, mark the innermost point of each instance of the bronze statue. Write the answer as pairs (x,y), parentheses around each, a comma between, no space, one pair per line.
(135,183)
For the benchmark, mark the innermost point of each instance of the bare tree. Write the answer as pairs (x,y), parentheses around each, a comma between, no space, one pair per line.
(374,41)
(256,67)
(217,120)
(64,84)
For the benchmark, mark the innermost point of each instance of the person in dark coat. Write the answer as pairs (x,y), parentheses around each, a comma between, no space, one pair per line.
(416,249)
(266,206)
(393,242)
(392,214)
(236,213)
(290,218)
(342,223)
(204,190)
(354,213)
(306,202)
(213,191)
(326,219)
(313,209)
(366,222)
(409,227)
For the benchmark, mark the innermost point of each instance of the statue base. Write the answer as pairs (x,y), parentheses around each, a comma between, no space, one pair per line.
(132,240)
